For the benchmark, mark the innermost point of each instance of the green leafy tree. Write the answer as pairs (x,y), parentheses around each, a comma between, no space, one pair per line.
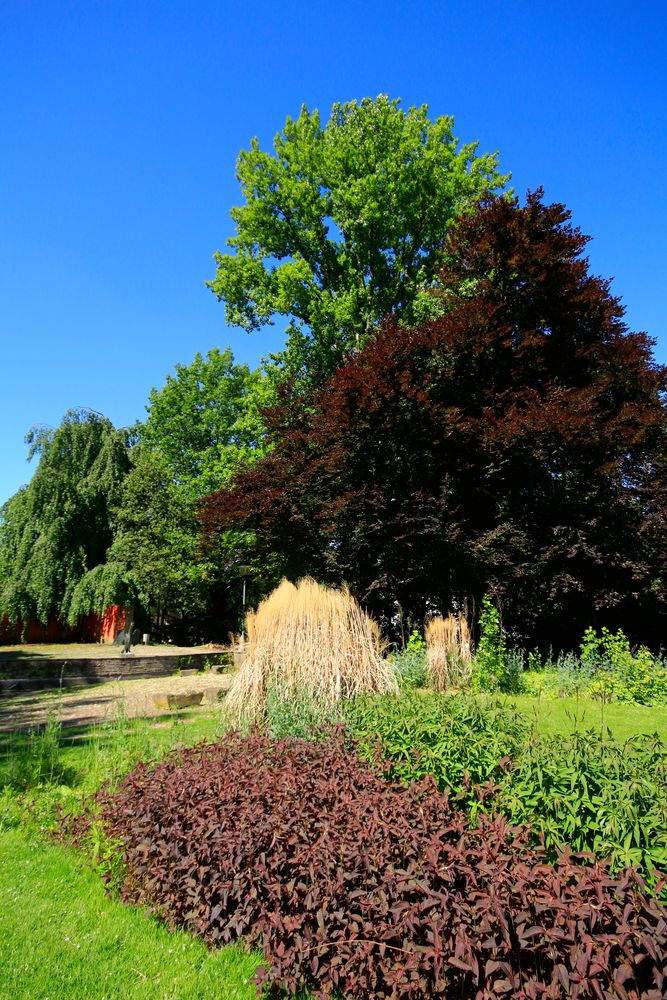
(206,420)
(203,426)
(153,562)
(515,445)
(58,528)
(342,224)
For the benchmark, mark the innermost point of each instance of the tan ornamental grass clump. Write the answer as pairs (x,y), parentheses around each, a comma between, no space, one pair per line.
(448,652)
(308,641)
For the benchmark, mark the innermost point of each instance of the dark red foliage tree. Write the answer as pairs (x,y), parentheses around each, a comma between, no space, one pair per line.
(515,445)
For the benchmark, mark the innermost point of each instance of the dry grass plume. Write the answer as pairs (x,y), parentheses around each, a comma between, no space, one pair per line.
(311,642)
(448,652)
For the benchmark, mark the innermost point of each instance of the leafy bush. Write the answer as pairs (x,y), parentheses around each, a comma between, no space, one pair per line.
(410,663)
(582,790)
(594,795)
(495,667)
(356,887)
(606,668)
(460,741)
(620,674)
(489,663)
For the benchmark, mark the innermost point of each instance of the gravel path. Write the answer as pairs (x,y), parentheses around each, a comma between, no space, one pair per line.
(100,702)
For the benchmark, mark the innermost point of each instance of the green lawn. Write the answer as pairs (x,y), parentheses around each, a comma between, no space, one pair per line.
(563,715)
(63,939)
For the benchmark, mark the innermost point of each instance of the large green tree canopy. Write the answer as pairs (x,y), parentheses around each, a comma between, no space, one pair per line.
(59,527)
(343,223)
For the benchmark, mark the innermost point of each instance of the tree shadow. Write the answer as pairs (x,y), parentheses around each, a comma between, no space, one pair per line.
(21,654)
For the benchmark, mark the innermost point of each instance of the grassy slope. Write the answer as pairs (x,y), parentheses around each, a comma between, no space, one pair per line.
(62,938)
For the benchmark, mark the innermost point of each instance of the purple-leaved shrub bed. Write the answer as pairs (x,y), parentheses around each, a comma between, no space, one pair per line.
(358,887)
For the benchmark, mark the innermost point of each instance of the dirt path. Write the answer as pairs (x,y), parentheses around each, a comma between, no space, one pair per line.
(100,702)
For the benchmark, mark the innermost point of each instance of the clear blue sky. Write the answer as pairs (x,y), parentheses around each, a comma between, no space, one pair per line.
(120,122)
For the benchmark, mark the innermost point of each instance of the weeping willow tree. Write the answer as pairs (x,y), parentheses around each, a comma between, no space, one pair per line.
(152,562)
(59,527)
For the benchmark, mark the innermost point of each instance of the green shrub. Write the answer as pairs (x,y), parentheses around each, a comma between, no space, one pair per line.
(489,662)
(410,663)
(593,794)
(459,740)
(584,790)
(620,674)
(606,668)
(495,667)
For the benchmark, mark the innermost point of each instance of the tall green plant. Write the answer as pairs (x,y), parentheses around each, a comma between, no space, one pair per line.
(489,665)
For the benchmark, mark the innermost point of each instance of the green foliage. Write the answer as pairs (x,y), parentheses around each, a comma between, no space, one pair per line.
(489,664)
(595,795)
(512,679)
(58,528)
(106,856)
(410,663)
(581,789)
(343,224)
(153,559)
(620,674)
(37,761)
(297,714)
(206,421)
(508,441)
(416,643)
(202,426)
(607,668)
(567,675)
(461,742)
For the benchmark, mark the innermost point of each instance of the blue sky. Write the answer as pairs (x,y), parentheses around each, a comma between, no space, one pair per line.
(121,122)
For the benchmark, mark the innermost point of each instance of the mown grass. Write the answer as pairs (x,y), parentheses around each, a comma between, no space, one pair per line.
(63,938)
(569,714)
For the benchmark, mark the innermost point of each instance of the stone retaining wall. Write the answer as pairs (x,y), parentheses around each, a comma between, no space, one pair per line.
(42,673)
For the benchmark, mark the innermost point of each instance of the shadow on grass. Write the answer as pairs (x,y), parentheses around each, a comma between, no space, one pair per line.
(26,711)
(29,717)
(21,654)
(49,756)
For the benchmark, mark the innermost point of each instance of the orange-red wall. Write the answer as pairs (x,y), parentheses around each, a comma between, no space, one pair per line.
(91,628)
